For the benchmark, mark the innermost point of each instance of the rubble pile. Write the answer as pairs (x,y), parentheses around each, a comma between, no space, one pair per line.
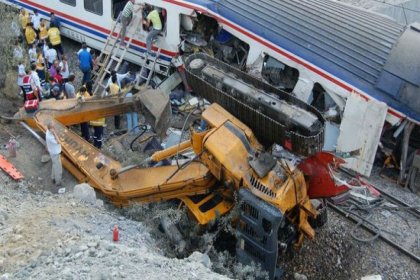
(47,236)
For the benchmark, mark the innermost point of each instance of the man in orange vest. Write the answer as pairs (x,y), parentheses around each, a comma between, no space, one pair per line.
(55,38)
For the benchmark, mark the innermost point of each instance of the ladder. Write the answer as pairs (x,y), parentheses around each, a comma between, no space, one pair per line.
(148,64)
(112,54)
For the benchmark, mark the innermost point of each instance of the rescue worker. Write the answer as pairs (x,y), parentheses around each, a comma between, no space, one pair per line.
(54,20)
(24,19)
(54,149)
(43,31)
(126,17)
(98,131)
(40,67)
(114,89)
(153,18)
(30,34)
(84,127)
(55,38)
(28,93)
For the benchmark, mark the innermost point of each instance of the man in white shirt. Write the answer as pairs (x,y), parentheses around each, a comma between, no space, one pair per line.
(51,55)
(54,149)
(32,53)
(36,20)
(45,49)
(21,74)
(120,77)
(35,82)
(17,51)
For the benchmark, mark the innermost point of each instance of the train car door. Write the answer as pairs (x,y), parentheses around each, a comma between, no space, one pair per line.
(360,131)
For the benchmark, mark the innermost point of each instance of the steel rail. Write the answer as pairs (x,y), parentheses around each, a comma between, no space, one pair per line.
(347,214)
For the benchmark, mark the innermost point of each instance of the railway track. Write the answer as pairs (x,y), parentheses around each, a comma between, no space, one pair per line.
(363,222)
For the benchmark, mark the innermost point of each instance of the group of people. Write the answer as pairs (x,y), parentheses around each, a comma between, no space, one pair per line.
(49,76)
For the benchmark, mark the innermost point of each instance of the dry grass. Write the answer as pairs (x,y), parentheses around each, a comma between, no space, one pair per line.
(8,64)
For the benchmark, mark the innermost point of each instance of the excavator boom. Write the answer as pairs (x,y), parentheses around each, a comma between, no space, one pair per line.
(229,162)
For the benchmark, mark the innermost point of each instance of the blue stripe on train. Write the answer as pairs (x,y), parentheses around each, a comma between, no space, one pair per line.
(84,28)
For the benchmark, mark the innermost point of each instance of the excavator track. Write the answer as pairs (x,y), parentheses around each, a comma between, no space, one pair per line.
(274,115)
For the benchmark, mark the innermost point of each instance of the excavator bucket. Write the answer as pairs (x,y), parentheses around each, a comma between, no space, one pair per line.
(153,104)
(156,107)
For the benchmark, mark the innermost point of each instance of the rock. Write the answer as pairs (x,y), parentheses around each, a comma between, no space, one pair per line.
(83,248)
(93,244)
(78,255)
(201,258)
(92,252)
(3,216)
(16,238)
(85,193)
(299,276)
(67,251)
(5,276)
(17,229)
(99,203)
(110,247)
(45,158)
(67,273)
(372,277)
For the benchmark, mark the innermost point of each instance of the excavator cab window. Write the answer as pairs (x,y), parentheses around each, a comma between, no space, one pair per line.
(278,74)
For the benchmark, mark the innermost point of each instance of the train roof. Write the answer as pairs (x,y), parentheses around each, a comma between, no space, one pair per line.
(350,43)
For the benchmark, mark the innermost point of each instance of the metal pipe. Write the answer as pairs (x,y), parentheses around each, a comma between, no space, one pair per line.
(404,151)
(400,128)
(39,138)
(161,155)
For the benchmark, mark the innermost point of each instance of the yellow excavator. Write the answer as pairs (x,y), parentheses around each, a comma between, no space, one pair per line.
(230,167)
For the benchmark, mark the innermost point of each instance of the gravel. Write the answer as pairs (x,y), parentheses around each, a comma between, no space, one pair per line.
(49,236)
(46,236)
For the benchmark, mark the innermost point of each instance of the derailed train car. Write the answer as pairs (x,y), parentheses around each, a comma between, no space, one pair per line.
(360,69)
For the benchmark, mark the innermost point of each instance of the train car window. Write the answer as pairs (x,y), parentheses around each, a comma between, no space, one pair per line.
(117,7)
(200,32)
(69,2)
(279,75)
(94,6)
(324,103)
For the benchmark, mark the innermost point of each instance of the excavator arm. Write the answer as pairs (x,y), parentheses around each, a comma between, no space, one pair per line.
(230,163)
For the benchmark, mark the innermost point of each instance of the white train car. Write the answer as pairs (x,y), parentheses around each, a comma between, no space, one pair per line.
(354,66)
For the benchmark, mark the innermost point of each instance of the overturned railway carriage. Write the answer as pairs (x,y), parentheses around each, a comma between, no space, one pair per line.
(356,67)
